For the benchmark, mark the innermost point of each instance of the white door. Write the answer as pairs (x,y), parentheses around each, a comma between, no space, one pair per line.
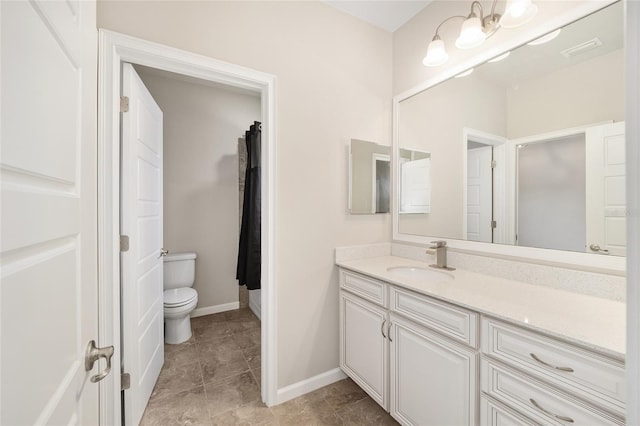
(141,220)
(605,189)
(479,194)
(415,187)
(433,380)
(49,305)
(364,351)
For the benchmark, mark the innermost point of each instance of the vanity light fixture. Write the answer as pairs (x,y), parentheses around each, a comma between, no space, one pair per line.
(476,27)
(545,38)
(465,73)
(501,57)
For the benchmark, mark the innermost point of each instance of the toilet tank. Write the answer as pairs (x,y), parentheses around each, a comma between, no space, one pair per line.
(179,270)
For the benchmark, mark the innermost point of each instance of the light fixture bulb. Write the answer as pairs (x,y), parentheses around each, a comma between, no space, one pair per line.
(545,38)
(465,73)
(436,53)
(518,12)
(501,57)
(471,34)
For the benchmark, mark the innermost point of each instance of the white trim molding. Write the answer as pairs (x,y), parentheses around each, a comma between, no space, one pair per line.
(254,305)
(573,260)
(114,49)
(309,385)
(215,309)
(632,67)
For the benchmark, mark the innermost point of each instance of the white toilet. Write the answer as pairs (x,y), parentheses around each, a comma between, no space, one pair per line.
(179,298)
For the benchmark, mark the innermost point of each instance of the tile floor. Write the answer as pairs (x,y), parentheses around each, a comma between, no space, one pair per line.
(213,379)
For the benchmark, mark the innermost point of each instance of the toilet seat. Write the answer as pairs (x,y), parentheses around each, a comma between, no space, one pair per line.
(177,297)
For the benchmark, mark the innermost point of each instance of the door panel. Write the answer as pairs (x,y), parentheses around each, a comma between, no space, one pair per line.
(142,265)
(479,194)
(432,378)
(415,192)
(605,188)
(364,350)
(48,295)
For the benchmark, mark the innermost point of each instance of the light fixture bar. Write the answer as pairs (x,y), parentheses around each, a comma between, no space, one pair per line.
(477,27)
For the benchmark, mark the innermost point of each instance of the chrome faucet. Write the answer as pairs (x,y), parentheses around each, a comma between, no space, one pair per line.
(440,250)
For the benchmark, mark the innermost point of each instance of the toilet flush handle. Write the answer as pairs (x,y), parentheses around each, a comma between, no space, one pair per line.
(163,252)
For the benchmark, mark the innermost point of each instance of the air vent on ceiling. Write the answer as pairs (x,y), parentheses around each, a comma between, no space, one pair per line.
(581,48)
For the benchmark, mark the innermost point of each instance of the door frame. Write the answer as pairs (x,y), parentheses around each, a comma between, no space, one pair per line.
(114,49)
(375,157)
(632,132)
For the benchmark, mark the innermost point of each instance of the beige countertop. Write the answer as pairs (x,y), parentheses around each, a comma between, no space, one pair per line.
(592,322)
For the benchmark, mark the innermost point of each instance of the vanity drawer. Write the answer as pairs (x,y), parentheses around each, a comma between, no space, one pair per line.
(539,401)
(494,413)
(452,321)
(368,288)
(584,373)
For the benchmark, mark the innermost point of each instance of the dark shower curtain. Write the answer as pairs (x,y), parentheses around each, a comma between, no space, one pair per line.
(248,270)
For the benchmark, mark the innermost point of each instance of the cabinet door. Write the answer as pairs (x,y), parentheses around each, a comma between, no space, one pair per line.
(364,349)
(433,379)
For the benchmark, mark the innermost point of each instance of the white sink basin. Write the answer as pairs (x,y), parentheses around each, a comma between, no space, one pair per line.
(421,274)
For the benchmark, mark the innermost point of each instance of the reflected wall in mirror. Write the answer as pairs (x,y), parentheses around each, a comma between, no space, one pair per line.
(415,181)
(369,177)
(528,150)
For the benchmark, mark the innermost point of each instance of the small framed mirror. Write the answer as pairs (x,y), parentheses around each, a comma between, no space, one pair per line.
(369,177)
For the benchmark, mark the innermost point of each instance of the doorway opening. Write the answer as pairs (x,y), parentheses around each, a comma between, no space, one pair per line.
(115,50)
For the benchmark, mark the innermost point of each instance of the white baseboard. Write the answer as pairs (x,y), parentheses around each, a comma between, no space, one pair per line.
(208,310)
(255,308)
(309,385)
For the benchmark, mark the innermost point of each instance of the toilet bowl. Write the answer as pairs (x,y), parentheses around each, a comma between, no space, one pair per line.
(179,298)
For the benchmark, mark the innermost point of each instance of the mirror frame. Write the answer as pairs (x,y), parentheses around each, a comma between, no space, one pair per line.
(574,260)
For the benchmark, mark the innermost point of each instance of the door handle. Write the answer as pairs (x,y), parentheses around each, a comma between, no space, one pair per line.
(163,252)
(597,249)
(93,354)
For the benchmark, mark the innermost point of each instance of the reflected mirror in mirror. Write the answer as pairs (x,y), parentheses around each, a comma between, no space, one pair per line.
(369,177)
(530,148)
(415,181)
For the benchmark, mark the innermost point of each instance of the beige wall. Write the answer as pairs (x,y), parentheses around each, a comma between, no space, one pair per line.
(411,40)
(587,93)
(333,84)
(433,121)
(201,129)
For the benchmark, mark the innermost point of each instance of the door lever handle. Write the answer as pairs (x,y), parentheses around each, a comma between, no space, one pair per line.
(93,354)
(163,252)
(597,249)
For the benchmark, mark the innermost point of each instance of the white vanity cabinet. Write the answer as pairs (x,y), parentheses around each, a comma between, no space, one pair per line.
(417,374)
(432,363)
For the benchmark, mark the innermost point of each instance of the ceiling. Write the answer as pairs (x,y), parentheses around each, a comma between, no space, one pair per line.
(531,61)
(389,15)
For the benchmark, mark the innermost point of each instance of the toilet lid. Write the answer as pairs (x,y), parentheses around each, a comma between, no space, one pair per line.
(179,296)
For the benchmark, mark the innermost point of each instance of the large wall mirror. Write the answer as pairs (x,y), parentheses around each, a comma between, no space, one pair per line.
(527,149)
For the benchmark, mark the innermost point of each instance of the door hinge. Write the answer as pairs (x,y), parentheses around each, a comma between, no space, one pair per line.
(124,243)
(493,164)
(125,381)
(124,104)
(494,224)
